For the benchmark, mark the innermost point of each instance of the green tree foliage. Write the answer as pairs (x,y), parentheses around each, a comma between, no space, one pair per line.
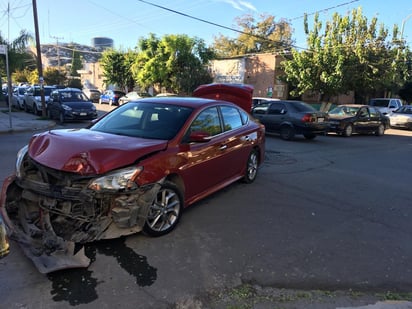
(76,63)
(351,54)
(117,68)
(256,36)
(174,62)
(53,76)
(19,57)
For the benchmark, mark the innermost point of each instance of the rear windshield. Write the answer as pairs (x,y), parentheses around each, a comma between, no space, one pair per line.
(379,103)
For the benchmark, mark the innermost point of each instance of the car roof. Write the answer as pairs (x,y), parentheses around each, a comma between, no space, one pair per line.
(68,89)
(353,105)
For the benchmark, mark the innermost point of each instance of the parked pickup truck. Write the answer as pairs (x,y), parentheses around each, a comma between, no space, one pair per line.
(386,105)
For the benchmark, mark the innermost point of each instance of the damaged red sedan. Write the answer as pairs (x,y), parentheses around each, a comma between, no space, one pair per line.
(134,169)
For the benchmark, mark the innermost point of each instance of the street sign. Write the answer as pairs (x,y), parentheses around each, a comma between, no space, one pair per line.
(3,49)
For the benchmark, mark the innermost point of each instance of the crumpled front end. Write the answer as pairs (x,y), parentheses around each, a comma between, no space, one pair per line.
(49,211)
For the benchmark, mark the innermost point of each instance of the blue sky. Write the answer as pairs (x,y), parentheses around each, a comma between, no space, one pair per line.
(125,21)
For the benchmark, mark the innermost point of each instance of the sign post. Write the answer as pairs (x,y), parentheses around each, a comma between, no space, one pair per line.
(3,50)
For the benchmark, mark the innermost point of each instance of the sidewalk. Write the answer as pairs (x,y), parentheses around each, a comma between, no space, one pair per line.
(20,121)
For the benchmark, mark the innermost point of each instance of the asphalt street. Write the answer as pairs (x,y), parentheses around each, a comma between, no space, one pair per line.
(325,225)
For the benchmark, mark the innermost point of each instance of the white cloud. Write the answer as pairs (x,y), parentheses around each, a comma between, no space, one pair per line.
(240,5)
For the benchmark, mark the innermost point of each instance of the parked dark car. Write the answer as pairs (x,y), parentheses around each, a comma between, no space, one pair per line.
(111,97)
(135,169)
(289,118)
(353,118)
(70,104)
(92,94)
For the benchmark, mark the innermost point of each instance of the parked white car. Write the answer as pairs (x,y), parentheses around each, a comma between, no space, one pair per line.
(401,118)
(32,99)
(386,105)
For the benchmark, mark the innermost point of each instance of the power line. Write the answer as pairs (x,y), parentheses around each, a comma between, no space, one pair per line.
(211,23)
(236,30)
(325,10)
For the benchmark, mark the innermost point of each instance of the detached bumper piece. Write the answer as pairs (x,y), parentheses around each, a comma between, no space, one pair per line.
(49,213)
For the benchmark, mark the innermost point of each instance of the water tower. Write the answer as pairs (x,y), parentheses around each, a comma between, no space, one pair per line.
(102,42)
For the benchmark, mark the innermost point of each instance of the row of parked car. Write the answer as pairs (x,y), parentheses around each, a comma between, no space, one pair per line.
(285,117)
(289,118)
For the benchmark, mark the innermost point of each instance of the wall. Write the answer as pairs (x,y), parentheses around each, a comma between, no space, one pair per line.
(259,70)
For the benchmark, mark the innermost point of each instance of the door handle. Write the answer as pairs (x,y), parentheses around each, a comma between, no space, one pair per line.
(223,147)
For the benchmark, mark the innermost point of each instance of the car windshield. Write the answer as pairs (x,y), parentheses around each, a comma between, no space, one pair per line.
(145,120)
(73,96)
(344,110)
(406,109)
(379,103)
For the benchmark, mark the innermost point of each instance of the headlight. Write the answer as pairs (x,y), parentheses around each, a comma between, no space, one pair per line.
(20,156)
(66,107)
(119,180)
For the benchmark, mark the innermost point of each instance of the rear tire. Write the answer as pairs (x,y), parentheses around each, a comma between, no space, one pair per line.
(165,212)
(381,130)
(251,167)
(287,133)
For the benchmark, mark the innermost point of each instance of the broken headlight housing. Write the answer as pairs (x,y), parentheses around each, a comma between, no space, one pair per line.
(20,156)
(119,180)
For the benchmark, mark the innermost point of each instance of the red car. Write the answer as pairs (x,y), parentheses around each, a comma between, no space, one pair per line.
(134,169)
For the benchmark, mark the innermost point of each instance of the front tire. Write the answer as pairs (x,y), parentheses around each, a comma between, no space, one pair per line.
(348,130)
(165,212)
(251,167)
(61,118)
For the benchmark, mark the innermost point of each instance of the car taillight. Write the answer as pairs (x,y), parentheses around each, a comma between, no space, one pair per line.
(308,118)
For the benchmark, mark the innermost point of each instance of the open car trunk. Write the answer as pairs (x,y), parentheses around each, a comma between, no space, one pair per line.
(239,94)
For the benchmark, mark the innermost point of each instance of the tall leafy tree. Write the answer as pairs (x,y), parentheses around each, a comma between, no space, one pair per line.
(351,54)
(256,36)
(76,63)
(174,62)
(19,56)
(117,68)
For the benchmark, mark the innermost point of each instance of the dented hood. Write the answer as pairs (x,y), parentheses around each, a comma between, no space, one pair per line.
(89,152)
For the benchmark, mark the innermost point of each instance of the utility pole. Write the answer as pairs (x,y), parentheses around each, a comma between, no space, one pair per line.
(39,63)
(58,49)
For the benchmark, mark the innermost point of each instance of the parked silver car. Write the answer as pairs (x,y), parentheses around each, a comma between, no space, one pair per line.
(401,118)
(18,93)
(32,99)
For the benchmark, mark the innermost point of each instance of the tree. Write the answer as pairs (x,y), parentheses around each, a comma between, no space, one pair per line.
(174,62)
(256,36)
(117,68)
(351,54)
(53,76)
(19,57)
(76,63)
